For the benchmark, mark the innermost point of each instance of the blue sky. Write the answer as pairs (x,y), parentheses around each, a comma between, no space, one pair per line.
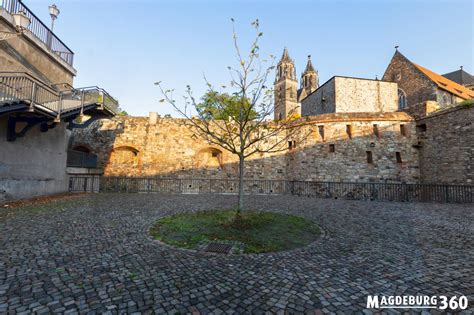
(126,46)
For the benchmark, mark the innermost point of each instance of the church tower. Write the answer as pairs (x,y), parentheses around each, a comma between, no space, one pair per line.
(309,79)
(286,86)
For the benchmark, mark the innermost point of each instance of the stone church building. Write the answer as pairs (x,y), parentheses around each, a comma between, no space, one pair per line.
(421,90)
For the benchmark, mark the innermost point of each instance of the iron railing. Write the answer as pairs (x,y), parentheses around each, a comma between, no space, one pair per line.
(16,87)
(20,86)
(40,30)
(342,190)
(84,183)
(81,159)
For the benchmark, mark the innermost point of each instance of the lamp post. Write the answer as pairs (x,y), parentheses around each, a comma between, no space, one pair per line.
(21,22)
(53,12)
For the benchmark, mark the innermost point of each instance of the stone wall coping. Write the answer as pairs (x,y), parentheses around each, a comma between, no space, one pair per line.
(323,118)
(338,117)
(444,112)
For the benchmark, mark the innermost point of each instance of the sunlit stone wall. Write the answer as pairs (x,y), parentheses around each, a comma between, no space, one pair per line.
(335,148)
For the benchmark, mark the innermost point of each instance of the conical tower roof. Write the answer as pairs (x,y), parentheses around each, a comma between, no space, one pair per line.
(286,56)
(309,66)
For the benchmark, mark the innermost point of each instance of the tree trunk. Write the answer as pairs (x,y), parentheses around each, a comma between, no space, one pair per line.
(241,184)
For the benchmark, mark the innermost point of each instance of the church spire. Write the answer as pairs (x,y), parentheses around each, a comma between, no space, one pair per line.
(309,78)
(286,67)
(309,65)
(286,55)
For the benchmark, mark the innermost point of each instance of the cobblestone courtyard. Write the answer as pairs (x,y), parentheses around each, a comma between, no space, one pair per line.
(92,254)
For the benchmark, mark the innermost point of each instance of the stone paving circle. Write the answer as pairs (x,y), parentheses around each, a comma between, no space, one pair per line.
(93,255)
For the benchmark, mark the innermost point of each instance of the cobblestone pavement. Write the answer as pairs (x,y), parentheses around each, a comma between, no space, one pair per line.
(92,254)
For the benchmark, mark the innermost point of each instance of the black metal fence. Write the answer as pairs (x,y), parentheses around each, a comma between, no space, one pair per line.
(85,183)
(341,190)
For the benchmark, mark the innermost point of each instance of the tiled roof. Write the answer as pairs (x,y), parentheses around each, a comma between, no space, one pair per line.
(460,76)
(446,84)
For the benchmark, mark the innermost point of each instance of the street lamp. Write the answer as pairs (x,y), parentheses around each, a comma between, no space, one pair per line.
(21,22)
(54,12)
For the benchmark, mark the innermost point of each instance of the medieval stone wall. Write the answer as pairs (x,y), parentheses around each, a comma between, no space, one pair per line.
(346,95)
(132,146)
(137,146)
(447,146)
(339,145)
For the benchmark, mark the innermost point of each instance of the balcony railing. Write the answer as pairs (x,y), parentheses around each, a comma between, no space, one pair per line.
(40,30)
(20,87)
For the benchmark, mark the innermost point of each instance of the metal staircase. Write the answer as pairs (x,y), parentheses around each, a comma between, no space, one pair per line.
(21,92)
(29,101)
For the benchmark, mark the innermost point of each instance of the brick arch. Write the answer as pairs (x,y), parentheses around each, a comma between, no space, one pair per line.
(209,157)
(126,148)
(82,148)
(124,160)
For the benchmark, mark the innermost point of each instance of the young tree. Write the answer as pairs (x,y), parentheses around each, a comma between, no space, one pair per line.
(238,120)
(222,106)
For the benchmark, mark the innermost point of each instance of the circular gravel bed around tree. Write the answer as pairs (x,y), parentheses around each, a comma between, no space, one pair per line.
(258,232)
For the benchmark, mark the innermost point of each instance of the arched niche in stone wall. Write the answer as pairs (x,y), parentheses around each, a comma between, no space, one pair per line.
(210,158)
(81,148)
(124,160)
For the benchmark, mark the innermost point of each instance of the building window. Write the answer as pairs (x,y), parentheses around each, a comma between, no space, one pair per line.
(397,76)
(376,130)
(291,144)
(402,99)
(370,159)
(332,148)
(349,131)
(403,130)
(446,99)
(399,157)
(421,128)
(321,132)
